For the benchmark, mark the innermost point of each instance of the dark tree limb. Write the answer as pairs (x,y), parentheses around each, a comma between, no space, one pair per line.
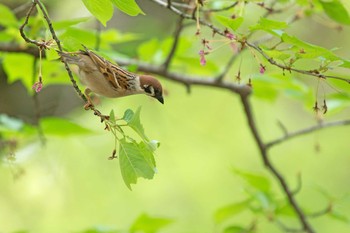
(306,131)
(177,33)
(268,164)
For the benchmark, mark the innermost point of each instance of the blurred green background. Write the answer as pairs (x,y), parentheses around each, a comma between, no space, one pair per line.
(69,185)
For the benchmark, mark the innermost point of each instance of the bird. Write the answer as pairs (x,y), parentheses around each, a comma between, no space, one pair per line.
(105,78)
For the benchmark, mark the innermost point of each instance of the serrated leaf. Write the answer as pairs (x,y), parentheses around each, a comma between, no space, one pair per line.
(19,66)
(101,9)
(256,181)
(272,26)
(61,127)
(336,11)
(269,24)
(231,210)
(7,18)
(133,120)
(230,23)
(135,160)
(313,51)
(129,7)
(147,224)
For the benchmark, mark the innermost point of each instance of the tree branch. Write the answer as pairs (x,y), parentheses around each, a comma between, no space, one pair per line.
(249,44)
(177,33)
(306,131)
(240,89)
(263,152)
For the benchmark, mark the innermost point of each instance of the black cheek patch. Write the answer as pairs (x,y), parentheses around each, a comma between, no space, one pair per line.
(148,89)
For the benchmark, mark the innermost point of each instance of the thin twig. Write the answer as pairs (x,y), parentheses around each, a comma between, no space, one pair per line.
(37,105)
(263,151)
(323,212)
(177,33)
(21,29)
(307,131)
(299,185)
(230,62)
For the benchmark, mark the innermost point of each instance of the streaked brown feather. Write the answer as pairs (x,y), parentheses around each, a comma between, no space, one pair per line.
(115,75)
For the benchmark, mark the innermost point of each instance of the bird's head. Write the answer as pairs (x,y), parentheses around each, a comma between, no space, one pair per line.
(152,87)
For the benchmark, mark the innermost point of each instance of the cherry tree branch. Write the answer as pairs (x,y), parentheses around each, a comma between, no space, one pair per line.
(268,164)
(177,33)
(216,30)
(305,131)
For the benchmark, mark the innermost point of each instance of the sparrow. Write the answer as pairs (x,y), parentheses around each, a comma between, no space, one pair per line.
(104,78)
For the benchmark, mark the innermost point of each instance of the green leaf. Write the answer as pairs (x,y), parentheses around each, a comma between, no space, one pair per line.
(135,160)
(146,224)
(133,120)
(313,51)
(19,66)
(336,11)
(147,50)
(233,24)
(72,38)
(231,210)
(101,9)
(256,181)
(7,17)
(272,26)
(276,54)
(64,24)
(61,127)
(235,229)
(129,7)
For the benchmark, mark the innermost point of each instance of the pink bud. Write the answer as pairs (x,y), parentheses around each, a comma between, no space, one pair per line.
(230,35)
(202,57)
(262,69)
(37,86)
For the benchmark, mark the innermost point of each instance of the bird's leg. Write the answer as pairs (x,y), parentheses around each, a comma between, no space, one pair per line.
(89,103)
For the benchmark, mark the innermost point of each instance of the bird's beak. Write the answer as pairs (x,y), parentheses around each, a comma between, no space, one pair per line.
(160,99)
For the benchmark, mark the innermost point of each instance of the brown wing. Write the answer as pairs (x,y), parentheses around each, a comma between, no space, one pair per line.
(115,75)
